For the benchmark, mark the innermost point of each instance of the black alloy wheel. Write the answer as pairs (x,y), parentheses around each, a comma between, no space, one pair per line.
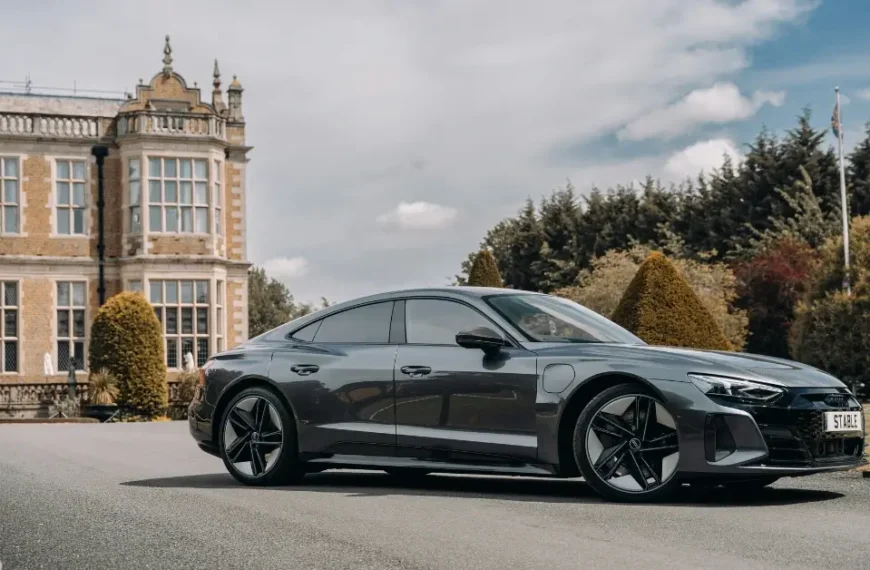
(626,445)
(258,439)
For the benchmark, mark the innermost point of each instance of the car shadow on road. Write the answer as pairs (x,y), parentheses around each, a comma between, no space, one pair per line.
(364,484)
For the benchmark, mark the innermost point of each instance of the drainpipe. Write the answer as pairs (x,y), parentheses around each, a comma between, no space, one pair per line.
(100,152)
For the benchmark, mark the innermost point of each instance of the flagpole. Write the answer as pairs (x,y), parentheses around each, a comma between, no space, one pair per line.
(845,206)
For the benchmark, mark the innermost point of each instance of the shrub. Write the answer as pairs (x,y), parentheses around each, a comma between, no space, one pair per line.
(126,340)
(833,334)
(187,381)
(770,286)
(102,387)
(603,285)
(660,307)
(484,271)
(828,277)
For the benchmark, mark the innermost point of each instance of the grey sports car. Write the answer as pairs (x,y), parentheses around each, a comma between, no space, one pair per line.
(498,381)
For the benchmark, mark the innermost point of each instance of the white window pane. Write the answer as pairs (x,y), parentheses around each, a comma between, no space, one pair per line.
(63,169)
(185,168)
(155,219)
(217,221)
(220,321)
(219,291)
(218,171)
(10,191)
(154,195)
(171,292)
(200,169)
(10,167)
(170,169)
(201,193)
(170,191)
(202,220)
(63,294)
(79,170)
(79,193)
(134,169)
(78,221)
(135,195)
(186,193)
(186,219)
(218,195)
(135,219)
(10,219)
(187,291)
(78,294)
(171,219)
(202,292)
(63,193)
(155,289)
(63,226)
(154,167)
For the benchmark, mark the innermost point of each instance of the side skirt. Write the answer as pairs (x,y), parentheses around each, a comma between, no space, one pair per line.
(381,463)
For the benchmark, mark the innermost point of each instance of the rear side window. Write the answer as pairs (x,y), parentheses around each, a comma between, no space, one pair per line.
(368,324)
(307,333)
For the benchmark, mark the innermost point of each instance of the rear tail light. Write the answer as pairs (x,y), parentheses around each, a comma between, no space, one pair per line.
(202,370)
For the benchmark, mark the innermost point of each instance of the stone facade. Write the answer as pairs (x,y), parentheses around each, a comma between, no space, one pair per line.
(173,211)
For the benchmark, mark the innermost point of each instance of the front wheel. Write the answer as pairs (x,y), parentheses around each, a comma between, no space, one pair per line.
(258,439)
(626,445)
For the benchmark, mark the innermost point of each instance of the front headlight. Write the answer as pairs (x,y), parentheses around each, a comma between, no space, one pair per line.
(733,388)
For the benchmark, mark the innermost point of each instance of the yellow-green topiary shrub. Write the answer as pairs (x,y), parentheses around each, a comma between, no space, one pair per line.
(484,271)
(660,307)
(127,341)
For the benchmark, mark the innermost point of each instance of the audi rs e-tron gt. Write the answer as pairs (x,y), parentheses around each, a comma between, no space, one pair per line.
(498,381)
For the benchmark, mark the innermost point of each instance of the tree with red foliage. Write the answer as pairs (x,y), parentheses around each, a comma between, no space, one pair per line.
(769,288)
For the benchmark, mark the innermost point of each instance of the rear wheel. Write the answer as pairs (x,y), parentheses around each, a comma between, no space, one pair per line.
(626,445)
(258,439)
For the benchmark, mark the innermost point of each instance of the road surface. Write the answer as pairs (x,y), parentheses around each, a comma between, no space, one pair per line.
(142,496)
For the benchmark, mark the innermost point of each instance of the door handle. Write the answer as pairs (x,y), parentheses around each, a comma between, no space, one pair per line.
(304,369)
(415,371)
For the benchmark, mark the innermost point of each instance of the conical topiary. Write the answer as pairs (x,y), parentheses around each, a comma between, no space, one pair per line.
(484,271)
(660,307)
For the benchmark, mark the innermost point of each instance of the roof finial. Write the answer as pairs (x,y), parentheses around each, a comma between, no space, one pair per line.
(167,57)
(217,76)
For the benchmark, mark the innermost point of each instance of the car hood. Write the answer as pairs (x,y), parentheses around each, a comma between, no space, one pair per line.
(742,365)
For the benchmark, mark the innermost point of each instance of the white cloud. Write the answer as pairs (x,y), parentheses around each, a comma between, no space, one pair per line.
(419,216)
(286,268)
(719,104)
(701,156)
(863,94)
(452,103)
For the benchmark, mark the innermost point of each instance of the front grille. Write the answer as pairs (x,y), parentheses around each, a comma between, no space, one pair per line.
(794,430)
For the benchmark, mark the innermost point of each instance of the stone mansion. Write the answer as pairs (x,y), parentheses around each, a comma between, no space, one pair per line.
(144,193)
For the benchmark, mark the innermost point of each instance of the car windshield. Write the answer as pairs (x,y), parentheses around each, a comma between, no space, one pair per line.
(544,318)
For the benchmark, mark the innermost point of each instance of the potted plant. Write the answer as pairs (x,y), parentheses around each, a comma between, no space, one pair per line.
(102,391)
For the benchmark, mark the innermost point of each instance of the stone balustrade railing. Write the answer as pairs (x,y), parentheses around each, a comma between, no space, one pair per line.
(32,399)
(41,125)
(169,123)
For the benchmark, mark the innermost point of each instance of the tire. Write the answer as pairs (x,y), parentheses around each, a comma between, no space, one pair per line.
(623,459)
(256,419)
(406,473)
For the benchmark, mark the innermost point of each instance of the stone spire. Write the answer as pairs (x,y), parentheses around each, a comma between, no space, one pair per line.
(167,58)
(234,96)
(216,97)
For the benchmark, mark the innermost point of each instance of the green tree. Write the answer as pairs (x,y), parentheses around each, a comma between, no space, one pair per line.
(127,342)
(484,272)
(270,303)
(858,176)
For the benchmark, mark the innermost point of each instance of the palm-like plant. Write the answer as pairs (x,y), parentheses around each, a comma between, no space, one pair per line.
(103,387)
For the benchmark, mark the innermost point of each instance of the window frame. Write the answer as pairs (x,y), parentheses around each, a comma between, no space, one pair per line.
(17,337)
(178,205)
(218,200)
(508,338)
(4,204)
(69,208)
(178,337)
(291,335)
(134,208)
(70,339)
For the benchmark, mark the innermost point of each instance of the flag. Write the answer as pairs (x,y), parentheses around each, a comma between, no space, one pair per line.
(835,120)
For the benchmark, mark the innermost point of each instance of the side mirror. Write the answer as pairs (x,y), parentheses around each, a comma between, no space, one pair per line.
(483,338)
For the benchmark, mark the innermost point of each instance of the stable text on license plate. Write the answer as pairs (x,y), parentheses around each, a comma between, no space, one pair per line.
(842,421)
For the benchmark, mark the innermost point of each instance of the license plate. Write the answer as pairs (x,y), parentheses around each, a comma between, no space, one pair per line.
(842,421)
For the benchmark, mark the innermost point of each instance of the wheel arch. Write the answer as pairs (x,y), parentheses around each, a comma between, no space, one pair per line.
(577,400)
(235,388)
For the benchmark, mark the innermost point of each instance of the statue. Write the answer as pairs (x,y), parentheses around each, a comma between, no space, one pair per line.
(189,364)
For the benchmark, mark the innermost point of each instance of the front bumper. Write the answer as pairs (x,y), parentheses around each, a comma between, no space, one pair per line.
(200,417)
(719,438)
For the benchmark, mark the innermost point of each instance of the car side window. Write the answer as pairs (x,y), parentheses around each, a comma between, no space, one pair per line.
(435,321)
(366,324)
(307,333)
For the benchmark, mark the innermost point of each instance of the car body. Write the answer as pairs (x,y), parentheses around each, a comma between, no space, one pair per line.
(499,381)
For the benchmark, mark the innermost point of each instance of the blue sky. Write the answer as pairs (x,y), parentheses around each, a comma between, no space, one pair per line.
(390,135)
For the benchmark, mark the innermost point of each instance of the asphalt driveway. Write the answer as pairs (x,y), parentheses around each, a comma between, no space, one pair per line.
(143,496)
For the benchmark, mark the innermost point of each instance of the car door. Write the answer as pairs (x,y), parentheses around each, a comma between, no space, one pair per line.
(338,374)
(457,404)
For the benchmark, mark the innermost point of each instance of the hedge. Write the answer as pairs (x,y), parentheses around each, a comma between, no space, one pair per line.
(484,271)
